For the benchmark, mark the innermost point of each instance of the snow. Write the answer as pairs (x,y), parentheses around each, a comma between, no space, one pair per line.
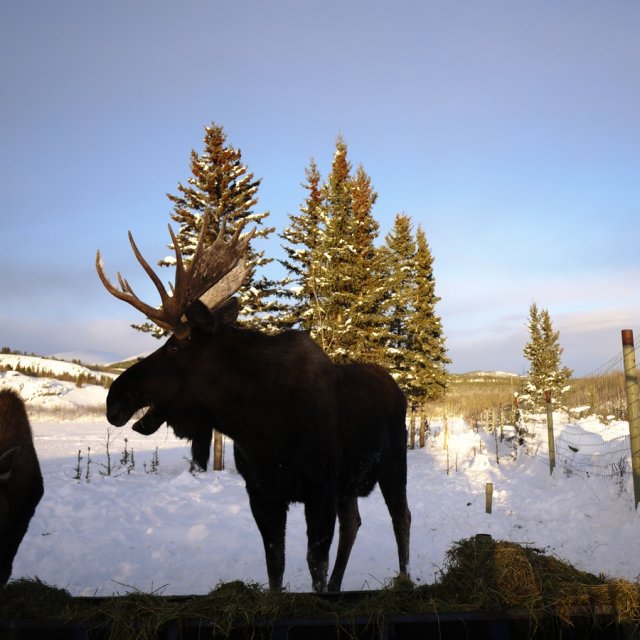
(44,365)
(169,531)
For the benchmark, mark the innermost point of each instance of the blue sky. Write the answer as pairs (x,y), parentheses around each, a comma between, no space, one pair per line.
(509,130)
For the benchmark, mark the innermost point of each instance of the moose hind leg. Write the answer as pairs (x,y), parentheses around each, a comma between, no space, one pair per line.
(271,518)
(349,519)
(393,488)
(321,520)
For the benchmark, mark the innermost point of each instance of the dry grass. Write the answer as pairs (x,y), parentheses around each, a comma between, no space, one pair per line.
(480,575)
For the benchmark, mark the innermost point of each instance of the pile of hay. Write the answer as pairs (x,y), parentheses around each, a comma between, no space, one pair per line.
(480,574)
(484,574)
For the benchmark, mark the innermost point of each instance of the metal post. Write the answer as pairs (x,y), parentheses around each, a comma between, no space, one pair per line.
(633,407)
(552,442)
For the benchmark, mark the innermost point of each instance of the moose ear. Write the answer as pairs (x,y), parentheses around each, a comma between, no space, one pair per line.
(227,312)
(6,463)
(199,316)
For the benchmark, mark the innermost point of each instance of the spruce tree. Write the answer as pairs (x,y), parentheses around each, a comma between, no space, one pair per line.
(333,261)
(544,353)
(302,239)
(221,185)
(399,271)
(366,314)
(415,343)
(425,326)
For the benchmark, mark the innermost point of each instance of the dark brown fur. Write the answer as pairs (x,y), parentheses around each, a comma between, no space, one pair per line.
(304,430)
(20,479)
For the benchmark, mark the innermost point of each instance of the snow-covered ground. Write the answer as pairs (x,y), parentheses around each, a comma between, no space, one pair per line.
(165,530)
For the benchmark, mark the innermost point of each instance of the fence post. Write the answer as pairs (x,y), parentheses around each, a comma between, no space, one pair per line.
(412,427)
(552,442)
(488,497)
(421,432)
(633,407)
(218,451)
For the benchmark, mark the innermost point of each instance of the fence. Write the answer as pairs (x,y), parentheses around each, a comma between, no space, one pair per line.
(598,436)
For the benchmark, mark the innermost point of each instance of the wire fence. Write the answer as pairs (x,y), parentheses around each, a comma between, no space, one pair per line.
(593,438)
(587,447)
(592,434)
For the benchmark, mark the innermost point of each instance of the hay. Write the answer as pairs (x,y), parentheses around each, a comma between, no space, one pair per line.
(483,574)
(480,574)
(29,599)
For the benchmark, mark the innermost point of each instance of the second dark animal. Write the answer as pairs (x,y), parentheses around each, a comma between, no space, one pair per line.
(21,486)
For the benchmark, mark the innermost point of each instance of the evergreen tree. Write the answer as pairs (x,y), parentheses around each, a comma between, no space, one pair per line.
(369,289)
(425,326)
(415,345)
(399,271)
(302,238)
(332,262)
(544,354)
(333,259)
(221,185)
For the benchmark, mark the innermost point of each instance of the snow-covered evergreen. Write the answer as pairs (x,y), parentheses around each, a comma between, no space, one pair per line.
(544,352)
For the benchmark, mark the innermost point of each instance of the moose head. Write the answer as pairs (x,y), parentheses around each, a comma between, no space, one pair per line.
(198,302)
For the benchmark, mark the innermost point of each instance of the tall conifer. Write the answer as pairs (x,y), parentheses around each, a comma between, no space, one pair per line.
(544,353)
(415,345)
(367,319)
(399,263)
(302,238)
(221,185)
(334,256)
(425,326)
(333,263)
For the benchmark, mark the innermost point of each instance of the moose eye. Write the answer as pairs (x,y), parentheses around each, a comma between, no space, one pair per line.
(176,347)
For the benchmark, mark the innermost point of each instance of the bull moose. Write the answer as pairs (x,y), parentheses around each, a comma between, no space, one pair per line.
(304,429)
(21,486)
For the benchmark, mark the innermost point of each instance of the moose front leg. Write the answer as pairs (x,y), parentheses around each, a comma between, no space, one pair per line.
(271,518)
(201,448)
(320,515)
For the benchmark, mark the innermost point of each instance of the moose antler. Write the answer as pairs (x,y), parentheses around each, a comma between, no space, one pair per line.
(215,273)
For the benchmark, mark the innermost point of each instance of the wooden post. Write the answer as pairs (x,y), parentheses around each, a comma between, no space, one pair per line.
(218,453)
(552,442)
(445,431)
(422,430)
(412,427)
(488,497)
(633,407)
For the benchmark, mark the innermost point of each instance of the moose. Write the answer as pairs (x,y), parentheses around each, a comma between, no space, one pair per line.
(305,430)
(21,486)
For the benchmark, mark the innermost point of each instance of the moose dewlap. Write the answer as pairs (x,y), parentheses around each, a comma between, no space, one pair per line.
(20,479)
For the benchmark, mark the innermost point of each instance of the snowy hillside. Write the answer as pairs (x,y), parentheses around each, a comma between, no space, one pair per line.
(46,366)
(46,396)
(151,525)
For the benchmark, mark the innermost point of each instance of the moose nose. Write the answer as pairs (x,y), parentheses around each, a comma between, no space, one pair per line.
(116,416)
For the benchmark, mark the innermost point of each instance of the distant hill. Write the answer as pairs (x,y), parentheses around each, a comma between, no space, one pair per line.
(490,374)
(55,389)
(54,367)
(88,357)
